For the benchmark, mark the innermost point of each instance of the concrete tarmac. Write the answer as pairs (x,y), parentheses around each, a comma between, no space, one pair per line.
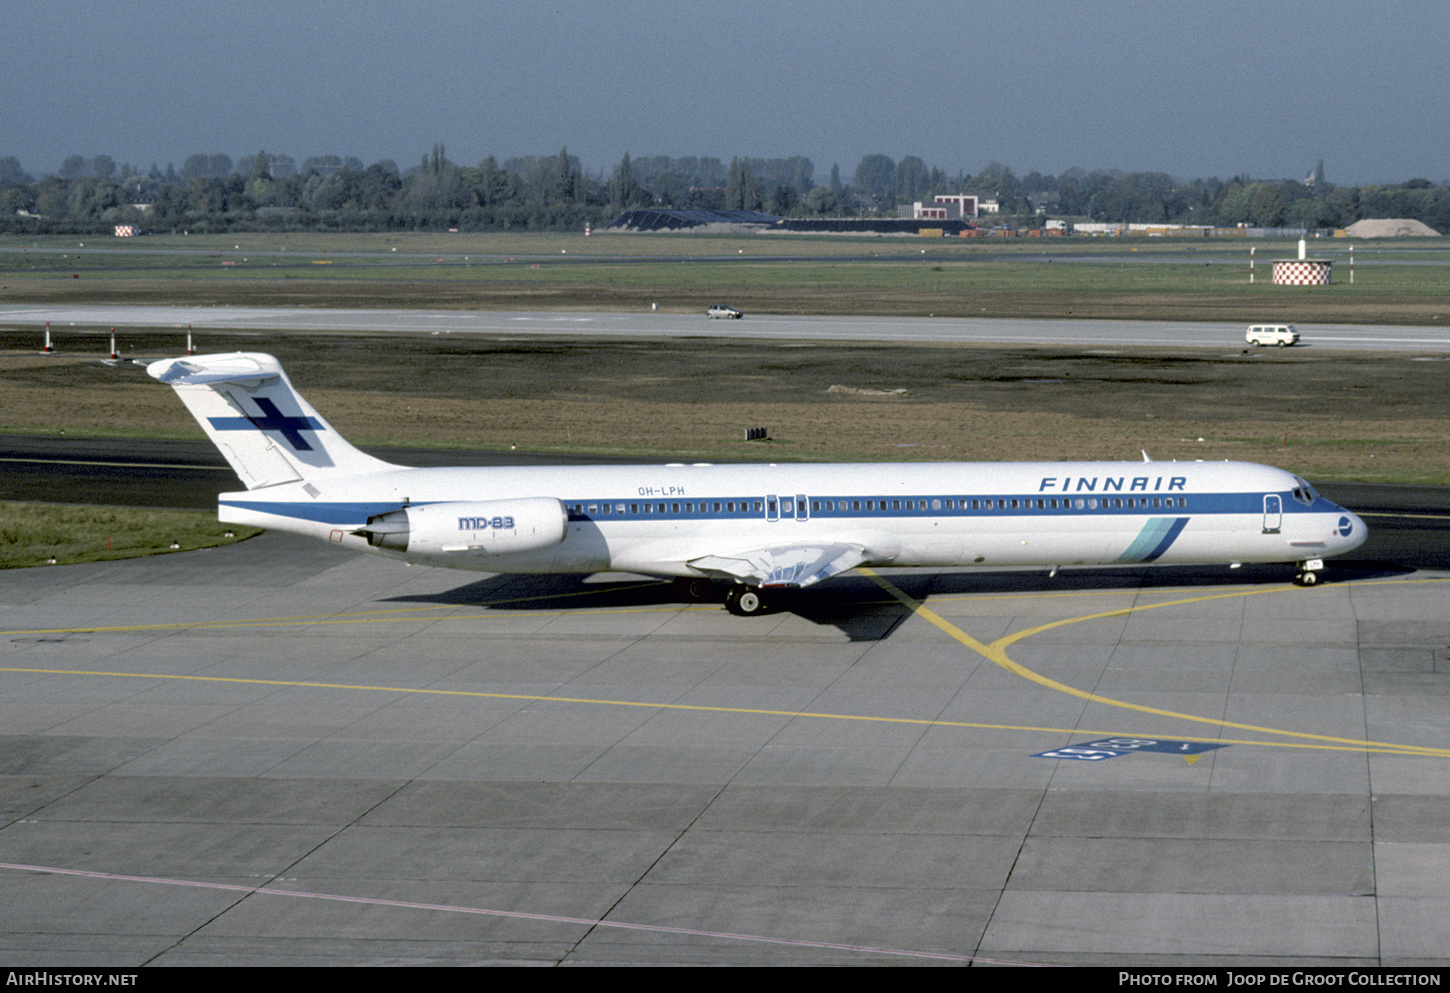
(278,753)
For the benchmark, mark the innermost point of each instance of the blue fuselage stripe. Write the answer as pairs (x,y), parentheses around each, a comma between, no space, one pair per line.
(1157,535)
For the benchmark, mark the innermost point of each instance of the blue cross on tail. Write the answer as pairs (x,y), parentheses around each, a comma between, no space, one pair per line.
(272,419)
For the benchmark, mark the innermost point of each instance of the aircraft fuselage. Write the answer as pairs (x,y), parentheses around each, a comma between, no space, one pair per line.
(656,519)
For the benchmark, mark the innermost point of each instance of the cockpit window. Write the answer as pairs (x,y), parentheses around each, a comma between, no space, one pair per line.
(1304,493)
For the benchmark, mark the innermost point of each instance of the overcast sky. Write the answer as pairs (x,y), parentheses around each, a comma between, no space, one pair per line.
(1194,89)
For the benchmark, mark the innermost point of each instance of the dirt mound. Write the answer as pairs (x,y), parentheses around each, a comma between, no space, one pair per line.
(1391,227)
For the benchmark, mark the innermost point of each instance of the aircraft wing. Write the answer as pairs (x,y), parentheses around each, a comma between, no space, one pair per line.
(783,565)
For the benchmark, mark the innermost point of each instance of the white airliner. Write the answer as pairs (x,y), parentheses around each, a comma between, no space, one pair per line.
(759,528)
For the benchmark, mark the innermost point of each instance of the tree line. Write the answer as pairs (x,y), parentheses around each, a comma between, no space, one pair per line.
(214,193)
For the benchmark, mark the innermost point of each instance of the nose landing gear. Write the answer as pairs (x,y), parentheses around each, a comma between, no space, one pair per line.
(1311,571)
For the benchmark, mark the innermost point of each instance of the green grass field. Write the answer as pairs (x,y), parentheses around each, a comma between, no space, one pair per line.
(1399,282)
(759,264)
(33,534)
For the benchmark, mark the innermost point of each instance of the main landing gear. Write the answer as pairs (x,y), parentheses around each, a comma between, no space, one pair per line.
(741,600)
(744,601)
(1311,571)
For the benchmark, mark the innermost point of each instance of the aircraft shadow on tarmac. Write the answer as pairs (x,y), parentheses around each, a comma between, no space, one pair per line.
(861,608)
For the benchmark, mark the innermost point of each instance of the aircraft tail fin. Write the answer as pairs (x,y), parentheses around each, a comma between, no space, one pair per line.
(260,423)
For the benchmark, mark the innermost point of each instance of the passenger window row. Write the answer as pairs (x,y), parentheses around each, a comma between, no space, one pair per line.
(635,508)
(753,507)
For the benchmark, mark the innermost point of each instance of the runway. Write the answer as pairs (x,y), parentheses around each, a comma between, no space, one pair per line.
(278,753)
(997,331)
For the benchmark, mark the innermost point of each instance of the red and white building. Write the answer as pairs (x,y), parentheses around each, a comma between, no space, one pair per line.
(944,207)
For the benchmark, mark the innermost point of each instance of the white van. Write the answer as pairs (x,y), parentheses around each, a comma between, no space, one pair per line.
(1272,334)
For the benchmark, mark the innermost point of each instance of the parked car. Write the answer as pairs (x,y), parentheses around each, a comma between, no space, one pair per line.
(1272,334)
(720,310)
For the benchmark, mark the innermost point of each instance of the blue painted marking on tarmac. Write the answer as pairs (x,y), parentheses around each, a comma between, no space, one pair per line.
(1112,748)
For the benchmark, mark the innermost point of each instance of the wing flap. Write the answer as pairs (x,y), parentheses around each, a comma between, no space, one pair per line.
(789,566)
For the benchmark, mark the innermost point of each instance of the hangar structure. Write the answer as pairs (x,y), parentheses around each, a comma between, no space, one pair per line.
(659,219)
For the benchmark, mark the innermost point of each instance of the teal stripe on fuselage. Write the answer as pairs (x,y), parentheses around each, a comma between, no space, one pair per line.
(1157,535)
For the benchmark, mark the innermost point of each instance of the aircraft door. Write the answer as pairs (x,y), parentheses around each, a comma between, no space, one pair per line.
(783,508)
(1273,513)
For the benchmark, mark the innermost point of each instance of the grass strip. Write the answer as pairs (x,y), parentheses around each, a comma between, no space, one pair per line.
(33,534)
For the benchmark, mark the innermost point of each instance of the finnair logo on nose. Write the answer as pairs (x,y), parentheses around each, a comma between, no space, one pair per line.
(1345,527)
(271,419)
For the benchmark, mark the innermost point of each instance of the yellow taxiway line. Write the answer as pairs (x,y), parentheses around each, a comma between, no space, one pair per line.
(995,652)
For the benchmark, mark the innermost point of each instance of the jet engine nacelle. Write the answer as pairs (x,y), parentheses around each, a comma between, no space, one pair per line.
(483,527)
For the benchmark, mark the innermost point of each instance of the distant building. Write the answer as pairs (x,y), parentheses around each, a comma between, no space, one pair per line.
(944,207)
(965,204)
(919,212)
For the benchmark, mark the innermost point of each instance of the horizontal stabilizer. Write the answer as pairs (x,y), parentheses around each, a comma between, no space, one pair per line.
(784,565)
(239,368)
